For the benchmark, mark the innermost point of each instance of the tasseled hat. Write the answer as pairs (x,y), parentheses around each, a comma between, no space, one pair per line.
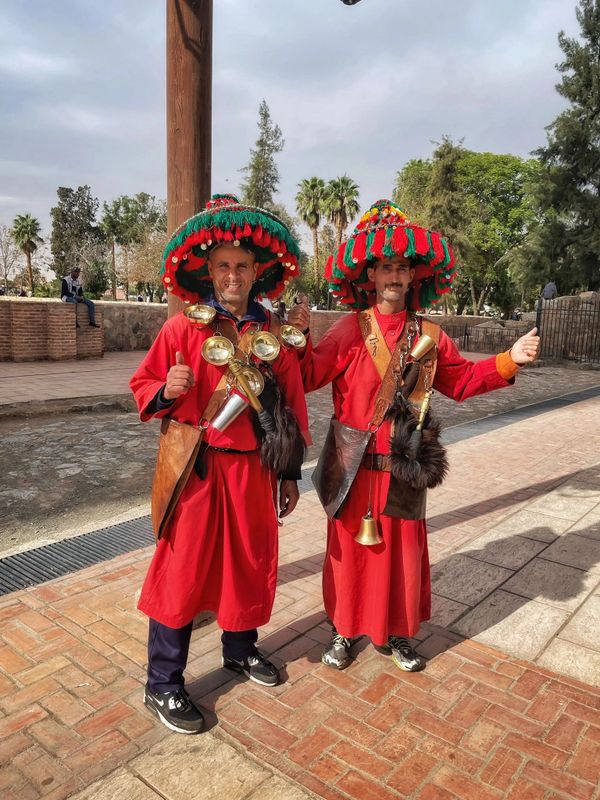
(227,221)
(384,231)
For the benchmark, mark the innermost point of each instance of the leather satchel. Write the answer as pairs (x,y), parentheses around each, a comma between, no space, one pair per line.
(177,450)
(338,464)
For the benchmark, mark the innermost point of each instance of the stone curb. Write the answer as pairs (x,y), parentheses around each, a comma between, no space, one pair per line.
(66,405)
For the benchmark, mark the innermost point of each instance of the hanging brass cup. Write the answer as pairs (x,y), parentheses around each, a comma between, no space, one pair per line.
(292,336)
(422,347)
(255,379)
(368,533)
(265,346)
(200,315)
(217,350)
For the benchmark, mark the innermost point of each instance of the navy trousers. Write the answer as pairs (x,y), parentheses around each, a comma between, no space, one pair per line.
(168,650)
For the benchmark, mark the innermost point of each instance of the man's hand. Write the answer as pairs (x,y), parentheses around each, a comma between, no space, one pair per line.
(525,350)
(180,378)
(288,497)
(299,315)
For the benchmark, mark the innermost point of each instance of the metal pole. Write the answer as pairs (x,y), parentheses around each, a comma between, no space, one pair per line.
(189,112)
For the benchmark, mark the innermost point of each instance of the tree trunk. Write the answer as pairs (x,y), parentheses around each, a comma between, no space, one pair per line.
(315,233)
(482,298)
(30,270)
(113,277)
(473,297)
(339,230)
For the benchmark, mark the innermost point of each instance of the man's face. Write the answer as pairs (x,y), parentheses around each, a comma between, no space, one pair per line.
(75,274)
(392,278)
(233,271)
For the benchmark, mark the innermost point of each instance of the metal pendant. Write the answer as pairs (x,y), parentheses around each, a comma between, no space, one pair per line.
(265,346)
(292,336)
(200,315)
(217,350)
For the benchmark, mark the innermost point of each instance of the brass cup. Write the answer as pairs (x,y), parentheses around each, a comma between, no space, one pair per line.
(200,314)
(292,336)
(422,347)
(217,350)
(255,379)
(265,346)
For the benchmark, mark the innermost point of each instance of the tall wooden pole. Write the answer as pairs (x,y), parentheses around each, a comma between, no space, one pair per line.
(189,112)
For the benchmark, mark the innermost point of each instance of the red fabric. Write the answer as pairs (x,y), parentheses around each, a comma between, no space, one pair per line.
(220,550)
(383,590)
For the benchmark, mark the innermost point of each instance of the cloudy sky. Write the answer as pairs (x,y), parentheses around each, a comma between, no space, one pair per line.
(357,90)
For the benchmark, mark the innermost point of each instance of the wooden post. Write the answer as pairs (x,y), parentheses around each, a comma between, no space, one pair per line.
(189,117)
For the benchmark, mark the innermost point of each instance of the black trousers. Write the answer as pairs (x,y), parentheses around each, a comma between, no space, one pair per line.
(168,650)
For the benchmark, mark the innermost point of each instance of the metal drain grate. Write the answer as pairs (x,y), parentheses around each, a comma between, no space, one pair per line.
(60,558)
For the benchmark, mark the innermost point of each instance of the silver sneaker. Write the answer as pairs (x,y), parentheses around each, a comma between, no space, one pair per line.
(337,652)
(404,655)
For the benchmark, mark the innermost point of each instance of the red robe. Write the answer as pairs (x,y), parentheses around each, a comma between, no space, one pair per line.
(219,552)
(382,590)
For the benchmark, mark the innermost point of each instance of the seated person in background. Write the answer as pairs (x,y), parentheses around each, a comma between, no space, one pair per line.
(71,291)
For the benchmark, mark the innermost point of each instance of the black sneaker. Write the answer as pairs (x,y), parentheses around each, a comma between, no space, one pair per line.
(404,655)
(175,710)
(256,667)
(337,652)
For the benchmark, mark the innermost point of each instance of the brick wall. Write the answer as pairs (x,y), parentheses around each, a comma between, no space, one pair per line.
(39,329)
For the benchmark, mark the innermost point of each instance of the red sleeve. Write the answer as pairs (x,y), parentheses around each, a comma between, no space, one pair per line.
(458,378)
(290,379)
(321,364)
(151,375)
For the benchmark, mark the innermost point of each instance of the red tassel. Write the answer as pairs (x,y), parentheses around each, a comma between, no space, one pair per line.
(247,233)
(340,257)
(257,235)
(227,236)
(400,240)
(421,243)
(378,243)
(328,268)
(359,250)
(437,249)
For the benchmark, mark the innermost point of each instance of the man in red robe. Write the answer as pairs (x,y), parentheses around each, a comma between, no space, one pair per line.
(218,552)
(383,590)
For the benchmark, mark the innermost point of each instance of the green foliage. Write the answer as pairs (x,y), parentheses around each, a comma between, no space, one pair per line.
(261,173)
(96,279)
(571,156)
(310,204)
(73,223)
(410,190)
(341,204)
(26,234)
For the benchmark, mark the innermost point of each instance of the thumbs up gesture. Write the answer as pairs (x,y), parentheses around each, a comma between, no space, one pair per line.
(299,314)
(180,378)
(526,349)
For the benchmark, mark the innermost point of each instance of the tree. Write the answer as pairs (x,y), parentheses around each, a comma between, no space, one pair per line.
(410,190)
(309,204)
(26,233)
(127,222)
(73,222)
(262,174)
(572,156)
(341,204)
(9,254)
(145,260)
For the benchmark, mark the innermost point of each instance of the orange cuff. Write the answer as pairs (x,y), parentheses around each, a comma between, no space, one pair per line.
(506,367)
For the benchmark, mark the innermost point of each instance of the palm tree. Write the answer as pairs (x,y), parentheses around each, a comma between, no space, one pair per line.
(341,204)
(26,233)
(309,204)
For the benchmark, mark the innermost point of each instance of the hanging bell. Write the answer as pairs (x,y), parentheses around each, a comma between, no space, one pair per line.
(200,315)
(265,346)
(217,350)
(237,401)
(292,336)
(368,533)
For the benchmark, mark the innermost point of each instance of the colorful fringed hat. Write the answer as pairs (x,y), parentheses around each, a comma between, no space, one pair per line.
(384,231)
(227,221)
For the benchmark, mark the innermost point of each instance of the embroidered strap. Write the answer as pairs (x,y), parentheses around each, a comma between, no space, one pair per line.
(428,366)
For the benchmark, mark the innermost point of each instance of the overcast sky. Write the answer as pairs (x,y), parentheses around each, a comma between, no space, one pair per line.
(357,90)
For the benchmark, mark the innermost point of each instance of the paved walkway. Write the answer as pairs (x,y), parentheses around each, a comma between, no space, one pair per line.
(512,711)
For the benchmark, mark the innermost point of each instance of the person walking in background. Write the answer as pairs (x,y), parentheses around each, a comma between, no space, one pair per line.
(71,291)
(549,292)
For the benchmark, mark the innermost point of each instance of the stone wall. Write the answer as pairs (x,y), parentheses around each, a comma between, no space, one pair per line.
(131,326)
(34,329)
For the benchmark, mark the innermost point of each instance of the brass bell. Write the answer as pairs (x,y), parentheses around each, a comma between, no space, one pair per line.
(368,533)
(422,347)
(200,315)
(255,379)
(238,402)
(292,336)
(265,346)
(217,350)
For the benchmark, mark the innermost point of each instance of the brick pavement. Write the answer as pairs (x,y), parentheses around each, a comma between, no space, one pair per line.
(478,724)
